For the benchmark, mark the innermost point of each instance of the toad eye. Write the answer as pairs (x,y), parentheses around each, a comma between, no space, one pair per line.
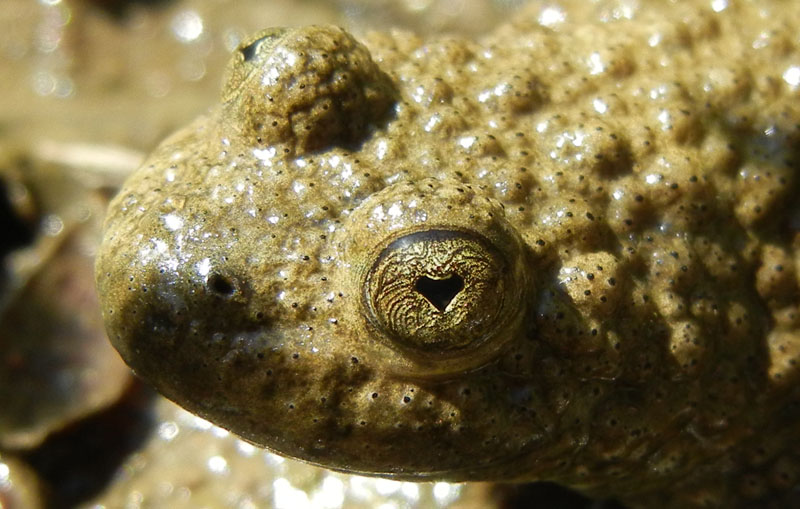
(439,291)
(249,51)
(250,55)
(442,280)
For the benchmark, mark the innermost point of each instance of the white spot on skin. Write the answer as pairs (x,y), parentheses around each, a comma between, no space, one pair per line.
(658,92)
(599,106)
(396,210)
(467,141)
(596,65)
(271,76)
(432,122)
(567,274)
(203,267)
(719,5)
(792,76)
(160,246)
(173,222)
(290,58)
(551,16)
(653,178)
(383,147)
(762,41)
(665,118)
(419,94)
(624,12)
(265,154)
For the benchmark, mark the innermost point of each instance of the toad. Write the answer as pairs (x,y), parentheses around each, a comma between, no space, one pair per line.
(566,252)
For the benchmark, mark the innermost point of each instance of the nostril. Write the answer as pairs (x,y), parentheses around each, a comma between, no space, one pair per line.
(439,292)
(221,285)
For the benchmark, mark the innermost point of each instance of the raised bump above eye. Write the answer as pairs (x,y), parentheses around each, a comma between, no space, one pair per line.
(305,89)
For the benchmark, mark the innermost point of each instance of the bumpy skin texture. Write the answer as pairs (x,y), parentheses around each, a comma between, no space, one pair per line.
(617,191)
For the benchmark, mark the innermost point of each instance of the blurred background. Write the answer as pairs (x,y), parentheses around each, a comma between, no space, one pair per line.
(87,88)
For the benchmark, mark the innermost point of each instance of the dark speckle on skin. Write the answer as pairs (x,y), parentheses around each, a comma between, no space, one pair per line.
(567,253)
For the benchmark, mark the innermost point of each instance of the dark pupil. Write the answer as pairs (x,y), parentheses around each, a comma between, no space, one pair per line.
(439,292)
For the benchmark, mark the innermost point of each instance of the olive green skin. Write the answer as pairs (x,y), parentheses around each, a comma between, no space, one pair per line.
(643,340)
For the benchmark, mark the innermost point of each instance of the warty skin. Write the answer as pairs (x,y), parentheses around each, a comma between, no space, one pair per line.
(564,253)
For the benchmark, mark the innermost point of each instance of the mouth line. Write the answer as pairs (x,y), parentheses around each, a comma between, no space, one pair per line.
(459,474)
